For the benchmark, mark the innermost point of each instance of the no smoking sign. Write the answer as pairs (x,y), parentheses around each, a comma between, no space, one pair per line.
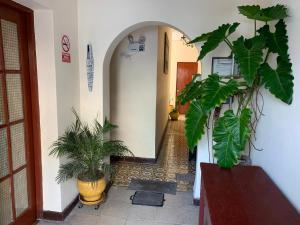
(65,45)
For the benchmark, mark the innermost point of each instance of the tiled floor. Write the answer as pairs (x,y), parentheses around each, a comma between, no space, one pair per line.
(117,210)
(172,160)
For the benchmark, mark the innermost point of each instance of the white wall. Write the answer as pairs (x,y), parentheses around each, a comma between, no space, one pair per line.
(67,79)
(104,23)
(278,131)
(97,24)
(58,88)
(133,94)
(48,105)
(180,53)
(163,82)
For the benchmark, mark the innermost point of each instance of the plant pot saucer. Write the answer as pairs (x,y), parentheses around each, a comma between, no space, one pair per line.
(97,202)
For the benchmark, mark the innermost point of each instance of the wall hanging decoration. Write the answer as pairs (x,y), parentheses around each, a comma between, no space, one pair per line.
(223,66)
(90,67)
(166,54)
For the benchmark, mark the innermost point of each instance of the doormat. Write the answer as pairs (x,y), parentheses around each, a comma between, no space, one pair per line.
(155,186)
(148,198)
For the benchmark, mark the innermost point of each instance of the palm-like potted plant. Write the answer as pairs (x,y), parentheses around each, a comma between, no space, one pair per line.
(86,149)
(234,128)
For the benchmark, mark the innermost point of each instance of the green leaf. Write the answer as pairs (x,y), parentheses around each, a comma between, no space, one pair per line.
(250,11)
(214,38)
(276,12)
(191,91)
(230,135)
(266,14)
(277,42)
(232,28)
(215,92)
(196,117)
(200,38)
(249,56)
(280,81)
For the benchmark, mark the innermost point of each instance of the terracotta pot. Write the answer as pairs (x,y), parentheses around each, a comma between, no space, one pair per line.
(91,193)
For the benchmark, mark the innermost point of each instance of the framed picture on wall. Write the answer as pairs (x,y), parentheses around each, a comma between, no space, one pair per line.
(223,66)
(166,54)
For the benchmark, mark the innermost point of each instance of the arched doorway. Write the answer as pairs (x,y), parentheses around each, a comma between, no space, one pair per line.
(117,52)
(109,53)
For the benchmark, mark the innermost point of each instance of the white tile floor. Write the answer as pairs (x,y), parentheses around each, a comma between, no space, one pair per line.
(177,210)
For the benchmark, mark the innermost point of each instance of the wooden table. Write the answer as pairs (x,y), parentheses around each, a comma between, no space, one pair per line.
(243,195)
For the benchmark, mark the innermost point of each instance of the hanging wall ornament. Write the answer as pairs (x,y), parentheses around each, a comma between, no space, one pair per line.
(90,67)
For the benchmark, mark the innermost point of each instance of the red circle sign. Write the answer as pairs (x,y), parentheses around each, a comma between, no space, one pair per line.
(65,43)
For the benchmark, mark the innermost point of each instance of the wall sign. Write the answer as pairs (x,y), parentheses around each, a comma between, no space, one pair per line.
(65,46)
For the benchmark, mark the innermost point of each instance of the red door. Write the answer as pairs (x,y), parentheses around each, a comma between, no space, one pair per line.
(17,170)
(185,73)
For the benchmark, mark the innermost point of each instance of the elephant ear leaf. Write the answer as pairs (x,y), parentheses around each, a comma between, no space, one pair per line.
(249,56)
(196,117)
(250,11)
(191,91)
(277,42)
(230,135)
(266,14)
(214,38)
(276,12)
(200,38)
(216,92)
(280,81)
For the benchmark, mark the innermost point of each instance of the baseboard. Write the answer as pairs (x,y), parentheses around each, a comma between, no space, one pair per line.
(132,159)
(61,216)
(139,159)
(196,201)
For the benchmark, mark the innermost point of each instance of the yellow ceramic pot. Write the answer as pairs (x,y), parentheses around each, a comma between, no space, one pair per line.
(174,115)
(91,193)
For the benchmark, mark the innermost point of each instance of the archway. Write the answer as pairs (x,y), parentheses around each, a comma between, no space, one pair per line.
(110,51)
(107,72)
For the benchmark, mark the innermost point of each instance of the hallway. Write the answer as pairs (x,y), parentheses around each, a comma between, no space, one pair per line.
(172,164)
(118,210)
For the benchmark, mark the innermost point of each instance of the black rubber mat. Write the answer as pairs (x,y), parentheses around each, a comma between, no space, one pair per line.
(147,198)
(155,186)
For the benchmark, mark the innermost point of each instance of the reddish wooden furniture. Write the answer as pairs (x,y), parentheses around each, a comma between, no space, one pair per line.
(243,195)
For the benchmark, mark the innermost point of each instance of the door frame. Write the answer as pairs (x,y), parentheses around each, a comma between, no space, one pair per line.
(28,14)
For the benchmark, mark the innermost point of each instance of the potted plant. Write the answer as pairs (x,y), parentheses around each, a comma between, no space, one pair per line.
(233,128)
(86,149)
(174,114)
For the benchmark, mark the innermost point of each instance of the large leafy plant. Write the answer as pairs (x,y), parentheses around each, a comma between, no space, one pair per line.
(86,148)
(234,128)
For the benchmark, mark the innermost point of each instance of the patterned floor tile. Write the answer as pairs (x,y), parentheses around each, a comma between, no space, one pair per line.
(173,159)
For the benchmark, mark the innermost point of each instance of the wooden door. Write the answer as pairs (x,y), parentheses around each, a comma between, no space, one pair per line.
(185,73)
(17,164)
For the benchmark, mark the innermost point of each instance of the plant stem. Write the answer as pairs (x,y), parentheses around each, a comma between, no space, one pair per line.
(249,98)
(228,43)
(267,56)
